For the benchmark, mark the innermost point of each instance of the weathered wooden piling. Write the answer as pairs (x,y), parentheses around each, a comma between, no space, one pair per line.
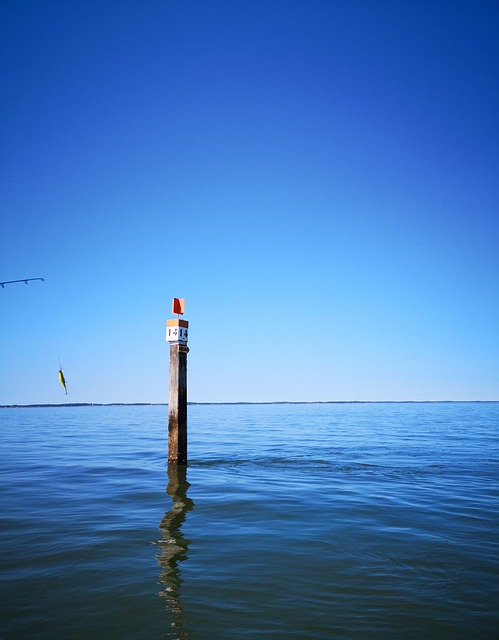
(176,335)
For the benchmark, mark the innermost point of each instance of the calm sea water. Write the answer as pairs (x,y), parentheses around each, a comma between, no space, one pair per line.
(290,521)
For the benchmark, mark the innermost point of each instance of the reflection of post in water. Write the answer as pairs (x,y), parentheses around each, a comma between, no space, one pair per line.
(173,544)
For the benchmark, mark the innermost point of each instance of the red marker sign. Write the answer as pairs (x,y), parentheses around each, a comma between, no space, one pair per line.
(178,305)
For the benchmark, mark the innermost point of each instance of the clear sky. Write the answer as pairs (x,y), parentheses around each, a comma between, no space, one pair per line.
(318,178)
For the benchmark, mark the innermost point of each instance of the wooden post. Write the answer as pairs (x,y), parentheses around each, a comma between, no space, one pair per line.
(176,335)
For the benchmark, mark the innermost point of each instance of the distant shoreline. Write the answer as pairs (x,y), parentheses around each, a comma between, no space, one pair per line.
(165,404)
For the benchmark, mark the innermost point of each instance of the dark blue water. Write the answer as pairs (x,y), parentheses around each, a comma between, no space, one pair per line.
(291,521)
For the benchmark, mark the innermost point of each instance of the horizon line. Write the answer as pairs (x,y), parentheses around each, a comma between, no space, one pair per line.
(193,403)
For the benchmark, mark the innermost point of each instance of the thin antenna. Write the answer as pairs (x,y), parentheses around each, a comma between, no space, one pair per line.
(25,280)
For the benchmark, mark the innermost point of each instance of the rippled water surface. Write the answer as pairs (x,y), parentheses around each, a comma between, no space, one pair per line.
(290,521)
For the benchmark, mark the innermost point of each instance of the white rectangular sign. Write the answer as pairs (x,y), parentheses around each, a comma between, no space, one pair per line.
(176,334)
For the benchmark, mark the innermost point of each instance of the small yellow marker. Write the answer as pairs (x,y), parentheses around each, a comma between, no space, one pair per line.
(63,381)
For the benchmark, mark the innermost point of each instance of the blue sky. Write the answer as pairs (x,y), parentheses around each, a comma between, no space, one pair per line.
(319,180)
